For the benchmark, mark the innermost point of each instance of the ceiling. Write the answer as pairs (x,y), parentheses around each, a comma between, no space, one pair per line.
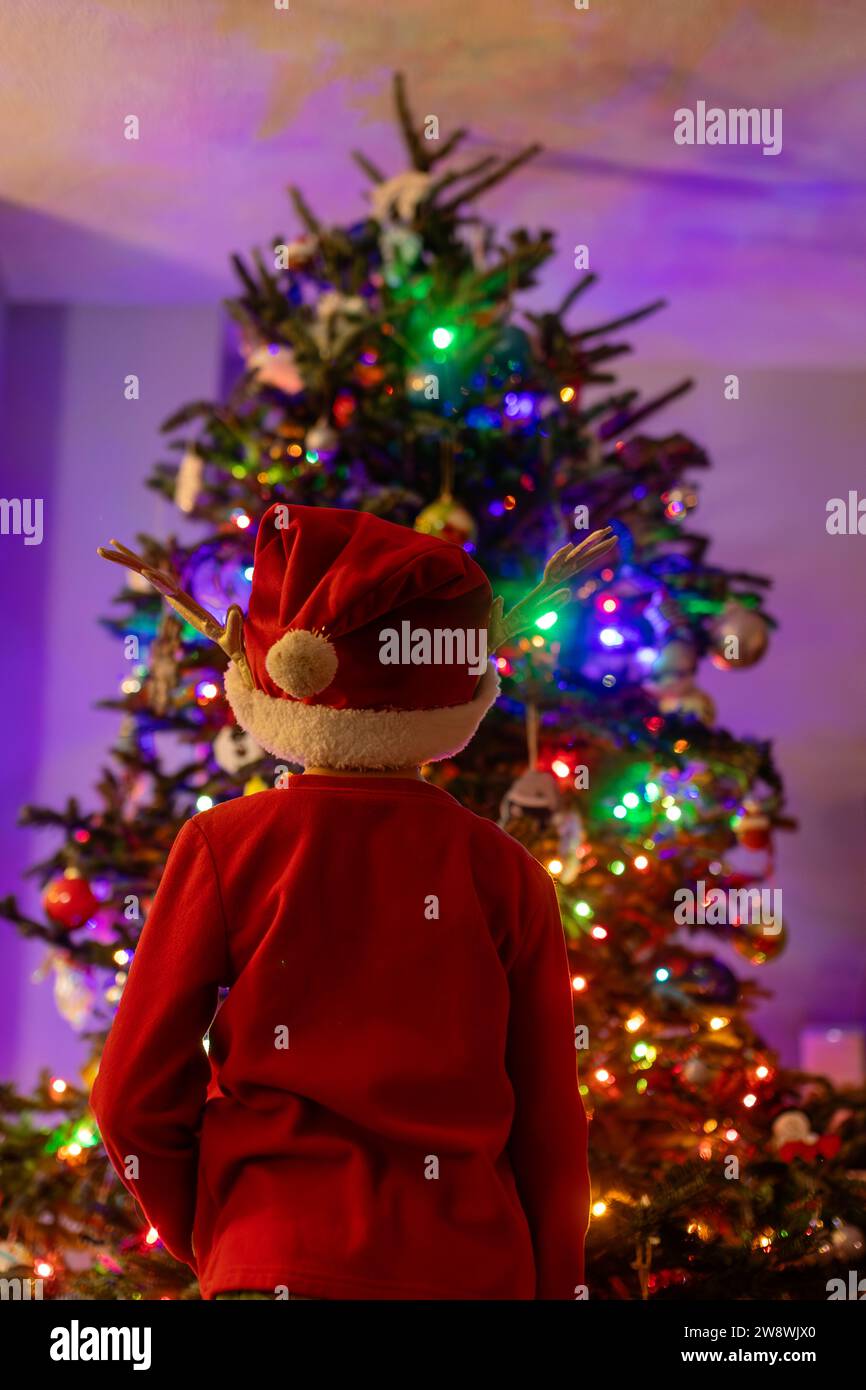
(761,258)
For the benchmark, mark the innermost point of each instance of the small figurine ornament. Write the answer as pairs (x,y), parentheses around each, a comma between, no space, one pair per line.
(234,748)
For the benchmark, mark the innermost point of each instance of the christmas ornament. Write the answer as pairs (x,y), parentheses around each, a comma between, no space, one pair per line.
(793,1137)
(711,981)
(753,828)
(368,373)
(758,943)
(343,409)
(234,748)
(738,636)
(164,656)
(791,1127)
(337,317)
(323,439)
(683,698)
(448,520)
(399,196)
(274,365)
(255,784)
(696,1072)
(102,926)
(69,901)
(847,1242)
(74,993)
(676,661)
(445,517)
(14,1256)
(535,794)
(187,484)
(300,252)
(401,249)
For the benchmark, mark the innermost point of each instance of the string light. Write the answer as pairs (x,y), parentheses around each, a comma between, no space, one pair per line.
(44,1269)
(152,1236)
(662,974)
(635,1022)
(442,338)
(620,812)
(560,768)
(617,867)
(566,394)
(58,1086)
(599,933)
(599,1208)
(651,791)
(546,620)
(582,909)
(641,862)
(750,1100)
(578,983)
(718,1023)
(673,813)
(554,866)
(204,803)
(631,800)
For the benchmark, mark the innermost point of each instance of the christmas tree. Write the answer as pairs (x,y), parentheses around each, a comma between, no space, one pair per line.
(388,367)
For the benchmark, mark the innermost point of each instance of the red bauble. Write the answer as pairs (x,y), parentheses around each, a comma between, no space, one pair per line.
(343,409)
(753,828)
(69,901)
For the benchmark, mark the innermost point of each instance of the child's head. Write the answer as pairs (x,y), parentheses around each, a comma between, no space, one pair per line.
(366,642)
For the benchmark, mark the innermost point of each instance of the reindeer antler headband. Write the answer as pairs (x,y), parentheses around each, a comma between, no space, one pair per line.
(568,561)
(228,635)
(502,627)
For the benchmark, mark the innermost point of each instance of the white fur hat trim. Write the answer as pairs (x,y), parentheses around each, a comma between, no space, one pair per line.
(317,736)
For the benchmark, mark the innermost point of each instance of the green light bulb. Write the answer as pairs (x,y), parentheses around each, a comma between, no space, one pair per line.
(546,620)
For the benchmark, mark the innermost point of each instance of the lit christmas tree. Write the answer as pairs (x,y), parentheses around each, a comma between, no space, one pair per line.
(386,367)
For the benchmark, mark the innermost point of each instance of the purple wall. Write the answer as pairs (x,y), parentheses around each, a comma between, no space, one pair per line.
(789,444)
(72,438)
(780,452)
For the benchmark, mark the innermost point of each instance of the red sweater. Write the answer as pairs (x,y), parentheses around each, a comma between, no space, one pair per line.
(390,1106)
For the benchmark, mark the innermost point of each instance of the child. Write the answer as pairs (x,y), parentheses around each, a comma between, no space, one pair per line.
(389,1108)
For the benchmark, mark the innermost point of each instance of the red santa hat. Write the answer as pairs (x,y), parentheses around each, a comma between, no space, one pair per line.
(337,595)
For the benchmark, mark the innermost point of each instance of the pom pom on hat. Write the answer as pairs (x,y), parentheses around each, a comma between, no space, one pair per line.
(302,663)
